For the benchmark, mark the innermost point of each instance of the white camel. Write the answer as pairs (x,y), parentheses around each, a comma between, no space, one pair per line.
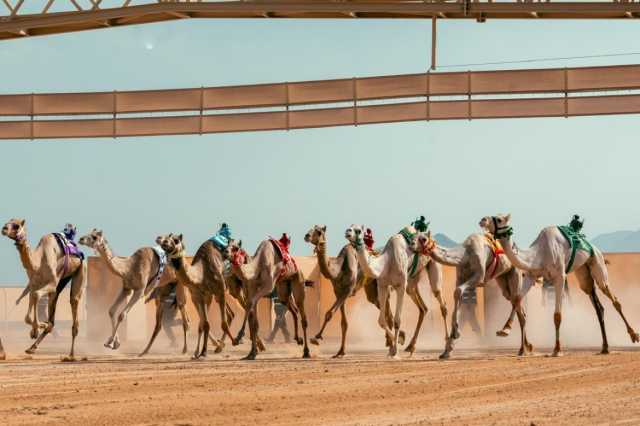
(391,270)
(478,261)
(551,256)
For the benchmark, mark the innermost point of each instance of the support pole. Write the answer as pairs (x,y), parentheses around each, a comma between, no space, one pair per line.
(433,42)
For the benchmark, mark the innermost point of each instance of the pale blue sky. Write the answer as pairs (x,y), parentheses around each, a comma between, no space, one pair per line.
(540,170)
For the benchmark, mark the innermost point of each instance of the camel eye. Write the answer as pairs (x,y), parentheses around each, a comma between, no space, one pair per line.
(15,226)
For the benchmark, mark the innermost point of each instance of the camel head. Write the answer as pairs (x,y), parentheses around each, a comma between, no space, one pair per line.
(94,239)
(15,230)
(172,245)
(316,234)
(498,225)
(423,243)
(235,253)
(355,234)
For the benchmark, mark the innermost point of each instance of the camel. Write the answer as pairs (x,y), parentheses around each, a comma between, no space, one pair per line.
(347,279)
(270,267)
(390,269)
(141,272)
(50,267)
(478,261)
(551,256)
(204,278)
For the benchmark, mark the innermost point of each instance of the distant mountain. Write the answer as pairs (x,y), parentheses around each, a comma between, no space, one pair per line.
(619,241)
(444,241)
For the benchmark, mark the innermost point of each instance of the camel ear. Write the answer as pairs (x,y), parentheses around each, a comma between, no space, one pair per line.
(429,234)
(99,233)
(324,228)
(180,237)
(507,217)
(22,222)
(240,243)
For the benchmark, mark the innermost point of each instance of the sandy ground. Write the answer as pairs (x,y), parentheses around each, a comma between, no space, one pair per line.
(474,387)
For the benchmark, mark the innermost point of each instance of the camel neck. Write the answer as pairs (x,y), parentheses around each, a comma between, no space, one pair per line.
(520,259)
(26,256)
(330,272)
(116,265)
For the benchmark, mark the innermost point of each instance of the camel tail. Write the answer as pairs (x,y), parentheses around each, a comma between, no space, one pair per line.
(606,261)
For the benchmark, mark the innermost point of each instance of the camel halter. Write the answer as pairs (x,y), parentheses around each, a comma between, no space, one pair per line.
(239,257)
(501,231)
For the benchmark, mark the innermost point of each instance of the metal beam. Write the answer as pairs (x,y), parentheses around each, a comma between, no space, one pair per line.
(76,19)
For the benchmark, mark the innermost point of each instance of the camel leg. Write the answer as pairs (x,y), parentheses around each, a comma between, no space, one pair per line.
(455,325)
(3,355)
(383,300)
(298,295)
(33,304)
(587,284)
(224,308)
(135,296)
(185,326)
(327,317)
(53,300)
(397,318)
(601,279)
(291,306)
(422,311)
(77,287)
(253,320)
(206,327)
(113,312)
(344,325)
(434,271)
(156,328)
(558,283)
(506,328)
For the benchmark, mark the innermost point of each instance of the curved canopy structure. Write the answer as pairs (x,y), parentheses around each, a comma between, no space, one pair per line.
(59,16)
(561,92)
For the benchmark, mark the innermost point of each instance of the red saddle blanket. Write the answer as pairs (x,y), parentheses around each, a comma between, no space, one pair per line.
(289,264)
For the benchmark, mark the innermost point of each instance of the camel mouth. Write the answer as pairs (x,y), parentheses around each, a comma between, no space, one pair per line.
(5,231)
(307,238)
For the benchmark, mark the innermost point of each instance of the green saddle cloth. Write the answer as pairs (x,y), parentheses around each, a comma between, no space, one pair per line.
(577,241)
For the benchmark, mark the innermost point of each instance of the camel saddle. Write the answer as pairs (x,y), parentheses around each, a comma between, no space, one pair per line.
(289,264)
(577,241)
(221,239)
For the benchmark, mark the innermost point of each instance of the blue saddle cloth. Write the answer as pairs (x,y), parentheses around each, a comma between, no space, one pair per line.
(221,239)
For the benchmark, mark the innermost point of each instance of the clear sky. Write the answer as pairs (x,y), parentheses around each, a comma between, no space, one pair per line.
(264,183)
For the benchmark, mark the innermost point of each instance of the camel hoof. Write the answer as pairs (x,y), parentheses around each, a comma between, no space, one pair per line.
(604,351)
(203,355)
(557,354)
(116,345)
(444,355)
(218,349)
(30,351)
(401,337)
(299,340)
(411,349)
(184,351)
(635,338)
(33,334)
(236,342)
(250,357)
(69,358)
(503,333)
(3,356)
(306,353)
(338,355)
(142,354)
(314,341)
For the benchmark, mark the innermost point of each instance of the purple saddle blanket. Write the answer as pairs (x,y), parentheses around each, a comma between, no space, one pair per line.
(68,247)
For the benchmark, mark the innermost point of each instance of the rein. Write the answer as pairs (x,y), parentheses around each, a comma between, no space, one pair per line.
(501,231)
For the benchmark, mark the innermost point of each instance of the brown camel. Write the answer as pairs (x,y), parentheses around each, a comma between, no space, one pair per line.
(140,273)
(269,268)
(347,279)
(49,270)
(204,278)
